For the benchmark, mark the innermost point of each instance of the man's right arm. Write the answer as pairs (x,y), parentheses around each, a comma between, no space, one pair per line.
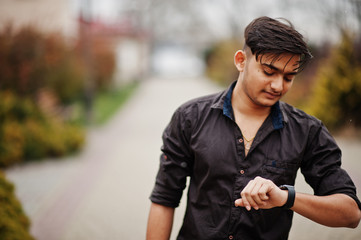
(160,222)
(175,166)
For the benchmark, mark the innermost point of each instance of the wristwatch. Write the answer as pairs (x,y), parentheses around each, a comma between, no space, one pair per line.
(291,196)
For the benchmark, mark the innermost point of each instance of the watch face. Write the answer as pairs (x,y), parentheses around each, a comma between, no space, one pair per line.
(284,187)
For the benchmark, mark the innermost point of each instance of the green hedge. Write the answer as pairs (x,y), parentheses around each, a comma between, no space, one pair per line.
(14,224)
(27,133)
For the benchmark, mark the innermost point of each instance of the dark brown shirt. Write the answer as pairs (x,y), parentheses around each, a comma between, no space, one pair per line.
(203,142)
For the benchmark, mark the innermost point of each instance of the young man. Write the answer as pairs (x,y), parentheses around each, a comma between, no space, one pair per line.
(242,149)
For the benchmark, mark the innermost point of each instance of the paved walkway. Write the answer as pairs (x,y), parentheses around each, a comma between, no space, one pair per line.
(103,192)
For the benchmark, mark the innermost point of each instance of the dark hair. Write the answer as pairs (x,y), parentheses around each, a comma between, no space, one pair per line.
(268,35)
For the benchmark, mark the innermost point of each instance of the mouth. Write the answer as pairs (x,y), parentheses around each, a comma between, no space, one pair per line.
(272,95)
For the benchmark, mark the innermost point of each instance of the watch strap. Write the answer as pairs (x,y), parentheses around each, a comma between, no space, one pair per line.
(291,196)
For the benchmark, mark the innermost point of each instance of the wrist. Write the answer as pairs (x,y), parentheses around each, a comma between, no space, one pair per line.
(291,195)
(284,197)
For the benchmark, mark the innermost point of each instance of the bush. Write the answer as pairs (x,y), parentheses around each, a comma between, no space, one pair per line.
(220,63)
(11,143)
(41,76)
(31,61)
(14,224)
(337,94)
(27,133)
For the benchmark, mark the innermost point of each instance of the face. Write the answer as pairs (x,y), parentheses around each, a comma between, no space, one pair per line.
(266,80)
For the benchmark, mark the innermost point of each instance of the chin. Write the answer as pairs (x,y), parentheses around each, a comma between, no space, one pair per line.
(265,102)
(268,103)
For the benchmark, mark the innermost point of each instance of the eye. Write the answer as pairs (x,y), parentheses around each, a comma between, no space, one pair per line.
(288,79)
(268,71)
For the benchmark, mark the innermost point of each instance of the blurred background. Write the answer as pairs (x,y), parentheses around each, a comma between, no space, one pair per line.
(87,87)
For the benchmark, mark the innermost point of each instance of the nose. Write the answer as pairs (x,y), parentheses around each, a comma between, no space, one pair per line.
(277,84)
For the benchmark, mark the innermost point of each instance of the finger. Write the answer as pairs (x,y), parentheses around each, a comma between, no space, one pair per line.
(245,195)
(249,195)
(239,203)
(263,192)
(255,195)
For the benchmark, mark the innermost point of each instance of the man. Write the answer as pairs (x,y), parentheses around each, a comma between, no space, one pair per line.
(242,149)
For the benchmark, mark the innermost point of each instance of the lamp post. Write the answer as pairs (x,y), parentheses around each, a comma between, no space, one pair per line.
(86,49)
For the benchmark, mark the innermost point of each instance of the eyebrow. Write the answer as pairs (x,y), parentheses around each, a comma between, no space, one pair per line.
(279,70)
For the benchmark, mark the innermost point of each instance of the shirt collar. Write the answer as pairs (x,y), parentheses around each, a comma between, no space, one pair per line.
(277,114)
(227,105)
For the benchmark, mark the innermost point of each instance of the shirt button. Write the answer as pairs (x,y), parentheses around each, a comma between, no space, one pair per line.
(240,140)
(230,237)
(242,171)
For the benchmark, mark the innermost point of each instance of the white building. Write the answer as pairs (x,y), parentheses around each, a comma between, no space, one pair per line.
(47,15)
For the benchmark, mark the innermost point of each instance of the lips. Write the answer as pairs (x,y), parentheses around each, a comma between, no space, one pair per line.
(272,95)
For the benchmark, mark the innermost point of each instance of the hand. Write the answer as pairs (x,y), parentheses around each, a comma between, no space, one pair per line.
(261,193)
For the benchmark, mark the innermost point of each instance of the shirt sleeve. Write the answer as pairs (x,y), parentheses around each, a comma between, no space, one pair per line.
(322,166)
(175,162)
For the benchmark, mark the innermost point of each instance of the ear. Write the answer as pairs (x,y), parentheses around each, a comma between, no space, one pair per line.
(240,60)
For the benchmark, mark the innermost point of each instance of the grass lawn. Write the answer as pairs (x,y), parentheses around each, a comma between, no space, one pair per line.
(107,103)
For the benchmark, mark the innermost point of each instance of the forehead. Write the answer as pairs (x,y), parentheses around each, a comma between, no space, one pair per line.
(285,61)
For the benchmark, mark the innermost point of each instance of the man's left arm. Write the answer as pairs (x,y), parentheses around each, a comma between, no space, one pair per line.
(336,210)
